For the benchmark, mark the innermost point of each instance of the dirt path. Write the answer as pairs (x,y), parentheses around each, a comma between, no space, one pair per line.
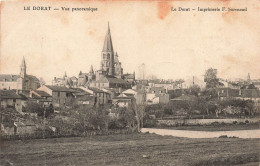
(204,134)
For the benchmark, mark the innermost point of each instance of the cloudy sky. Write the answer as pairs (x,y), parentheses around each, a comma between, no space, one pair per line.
(171,44)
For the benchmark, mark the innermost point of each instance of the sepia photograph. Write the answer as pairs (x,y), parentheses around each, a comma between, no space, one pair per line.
(130,83)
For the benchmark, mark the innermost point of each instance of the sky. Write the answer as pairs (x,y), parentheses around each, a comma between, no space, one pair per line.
(172,45)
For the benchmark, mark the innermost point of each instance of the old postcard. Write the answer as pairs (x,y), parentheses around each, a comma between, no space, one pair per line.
(130,82)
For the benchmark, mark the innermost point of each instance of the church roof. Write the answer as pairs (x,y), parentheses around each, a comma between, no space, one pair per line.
(108,46)
(129,76)
(112,80)
(9,77)
(34,78)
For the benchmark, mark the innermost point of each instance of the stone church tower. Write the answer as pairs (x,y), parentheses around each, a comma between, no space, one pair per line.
(107,55)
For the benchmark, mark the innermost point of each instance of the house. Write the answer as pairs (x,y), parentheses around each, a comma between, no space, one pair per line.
(182,100)
(9,98)
(123,100)
(100,97)
(83,97)
(152,98)
(41,97)
(157,95)
(227,92)
(139,95)
(110,82)
(112,91)
(250,94)
(61,95)
(129,78)
(244,94)
(257,84)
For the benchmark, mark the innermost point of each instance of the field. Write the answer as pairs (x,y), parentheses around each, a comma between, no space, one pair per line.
(218,127)
(130,150)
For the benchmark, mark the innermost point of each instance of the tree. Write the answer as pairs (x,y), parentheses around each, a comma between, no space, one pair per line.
(251,86)
(194,90)
(210,78)
(33,107)
(179,82)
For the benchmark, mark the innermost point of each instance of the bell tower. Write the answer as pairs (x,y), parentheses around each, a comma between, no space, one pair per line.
(107,55)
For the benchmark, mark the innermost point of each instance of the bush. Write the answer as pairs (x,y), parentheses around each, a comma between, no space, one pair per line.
(246,121)
(150,123)
(234,122)
(215,123)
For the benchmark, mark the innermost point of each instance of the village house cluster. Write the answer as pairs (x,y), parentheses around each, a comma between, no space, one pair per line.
(108,85)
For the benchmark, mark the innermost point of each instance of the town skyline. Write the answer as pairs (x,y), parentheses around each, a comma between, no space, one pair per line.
(169,47)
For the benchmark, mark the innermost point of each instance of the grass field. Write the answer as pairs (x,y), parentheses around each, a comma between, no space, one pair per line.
(129,150)
(219,127)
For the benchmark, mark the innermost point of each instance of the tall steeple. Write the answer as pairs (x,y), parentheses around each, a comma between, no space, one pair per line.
(23,69)
(108,46)
(107,55)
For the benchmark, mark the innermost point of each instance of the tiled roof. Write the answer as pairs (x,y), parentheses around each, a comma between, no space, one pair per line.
(250,93)
(8,77)
(9,94)
(256,83)
(79,91)
(96,90)
(184,97)
(157,89)
(124,98)
(42,93)
(60,88)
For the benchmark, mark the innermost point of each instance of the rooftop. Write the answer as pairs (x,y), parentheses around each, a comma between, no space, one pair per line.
(10,94)
(60,88)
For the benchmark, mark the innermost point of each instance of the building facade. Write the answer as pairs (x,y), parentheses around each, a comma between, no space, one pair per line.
(23,81)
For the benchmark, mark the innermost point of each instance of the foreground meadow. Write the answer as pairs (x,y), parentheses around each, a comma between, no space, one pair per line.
(134,149)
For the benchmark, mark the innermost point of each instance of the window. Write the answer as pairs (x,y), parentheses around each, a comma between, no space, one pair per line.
(59,94)
(108,56)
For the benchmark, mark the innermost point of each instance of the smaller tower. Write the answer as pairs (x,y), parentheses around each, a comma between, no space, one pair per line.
(23,69)
(91,73)
(65,76)
(248,78)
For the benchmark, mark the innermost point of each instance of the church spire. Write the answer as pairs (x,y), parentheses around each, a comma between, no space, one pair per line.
(23,68)
(108,46)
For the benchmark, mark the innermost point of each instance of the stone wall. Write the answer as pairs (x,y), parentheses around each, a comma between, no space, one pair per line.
(177,122)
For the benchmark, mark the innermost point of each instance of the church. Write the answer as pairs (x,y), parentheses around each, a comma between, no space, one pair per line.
(110,74)
(22,82)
